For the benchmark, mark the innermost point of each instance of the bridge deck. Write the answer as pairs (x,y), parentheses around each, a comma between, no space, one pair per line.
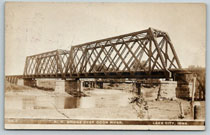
(114,75)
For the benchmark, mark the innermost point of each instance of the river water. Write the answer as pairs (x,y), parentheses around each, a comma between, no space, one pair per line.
(97,98)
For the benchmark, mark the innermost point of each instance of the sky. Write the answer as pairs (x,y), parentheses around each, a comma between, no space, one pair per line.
(32,28)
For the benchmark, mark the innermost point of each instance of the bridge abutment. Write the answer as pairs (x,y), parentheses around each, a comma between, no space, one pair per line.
(184,86)
(180,88)
(167,90)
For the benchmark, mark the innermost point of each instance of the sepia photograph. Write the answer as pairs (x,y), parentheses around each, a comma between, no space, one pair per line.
(105,66)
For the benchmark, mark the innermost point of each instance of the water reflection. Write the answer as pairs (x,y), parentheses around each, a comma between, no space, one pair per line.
(98,99)
(79,102)
(71,103)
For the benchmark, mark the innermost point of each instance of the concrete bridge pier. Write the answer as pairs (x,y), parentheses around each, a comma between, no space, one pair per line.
(60,86)
(80,87)
(73,87)
(180,88)
(29,82)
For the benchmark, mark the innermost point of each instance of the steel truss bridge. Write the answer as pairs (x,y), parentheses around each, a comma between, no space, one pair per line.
(143,54)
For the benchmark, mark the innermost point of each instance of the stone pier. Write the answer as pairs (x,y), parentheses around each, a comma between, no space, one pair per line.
(184,86)
(73,87)
(29,82)
(167,90)
(181,88)
(60,86)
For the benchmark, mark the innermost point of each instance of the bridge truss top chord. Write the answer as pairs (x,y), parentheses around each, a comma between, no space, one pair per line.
(143,54)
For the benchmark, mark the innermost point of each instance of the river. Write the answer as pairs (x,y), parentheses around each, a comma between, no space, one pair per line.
(96,98)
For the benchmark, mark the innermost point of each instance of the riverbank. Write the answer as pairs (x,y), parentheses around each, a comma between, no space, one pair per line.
(98,104)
